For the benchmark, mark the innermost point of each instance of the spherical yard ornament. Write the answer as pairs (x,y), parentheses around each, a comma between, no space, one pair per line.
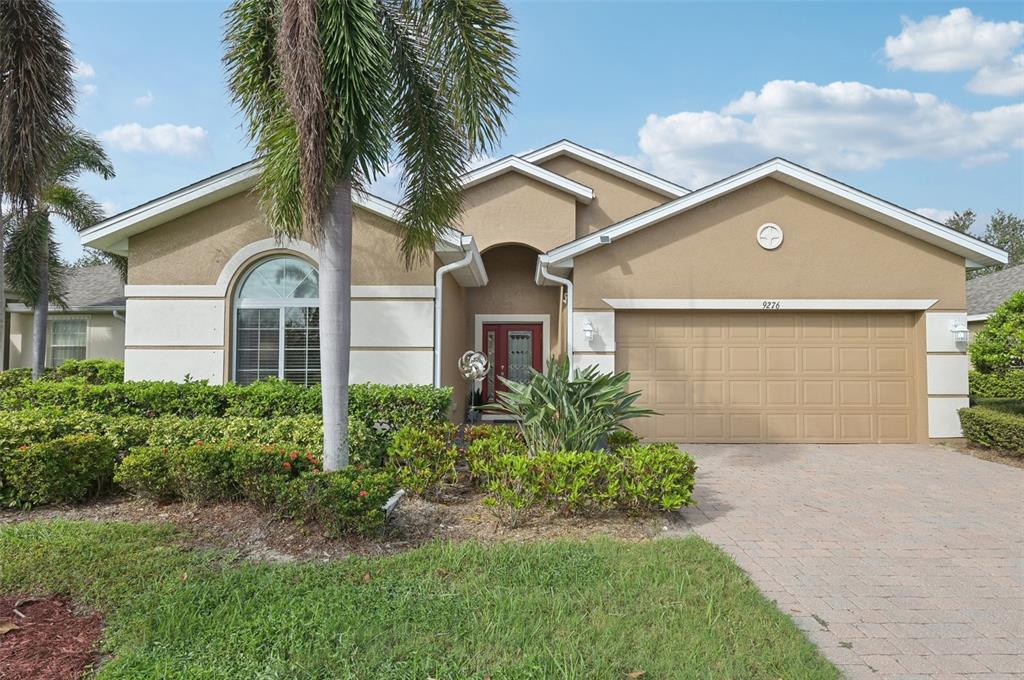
(769,236)
(473,365)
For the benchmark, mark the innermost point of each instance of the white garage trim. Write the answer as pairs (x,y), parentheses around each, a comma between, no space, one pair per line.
(771,304)
(943,419)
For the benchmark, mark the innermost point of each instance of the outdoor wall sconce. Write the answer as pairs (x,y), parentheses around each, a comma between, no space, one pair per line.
(960,332)
(588,330)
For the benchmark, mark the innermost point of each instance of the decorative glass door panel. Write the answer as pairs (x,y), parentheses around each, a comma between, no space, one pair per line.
(512,350)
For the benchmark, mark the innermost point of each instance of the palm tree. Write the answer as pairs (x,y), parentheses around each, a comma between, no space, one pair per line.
(35,269)
(331,90)
(37,100)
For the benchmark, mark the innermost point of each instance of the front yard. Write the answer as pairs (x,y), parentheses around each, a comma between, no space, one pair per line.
(602,608)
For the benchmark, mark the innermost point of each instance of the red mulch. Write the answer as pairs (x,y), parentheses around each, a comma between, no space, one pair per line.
(51,642)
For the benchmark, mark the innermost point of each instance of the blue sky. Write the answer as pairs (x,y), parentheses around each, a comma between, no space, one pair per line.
(919,103)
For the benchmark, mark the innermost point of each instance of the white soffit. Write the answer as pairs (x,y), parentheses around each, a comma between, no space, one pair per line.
(976,252)
(583,194)
(607,163)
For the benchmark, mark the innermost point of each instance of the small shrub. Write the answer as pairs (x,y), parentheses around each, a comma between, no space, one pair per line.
(63,470)
(996,429)
(514,485)
(92,371)
(14,377)
(656,477)
(1009,385)
(205,472)
(999,347)
(148,471)
(423,458)
(263,473)
(344,502)
(484,443)
(622,438)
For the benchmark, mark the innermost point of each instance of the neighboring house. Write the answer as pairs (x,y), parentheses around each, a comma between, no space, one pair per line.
(91,327)
(985,293)
(774,305)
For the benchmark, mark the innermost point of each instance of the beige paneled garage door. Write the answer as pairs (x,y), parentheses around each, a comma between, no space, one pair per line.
(772,376)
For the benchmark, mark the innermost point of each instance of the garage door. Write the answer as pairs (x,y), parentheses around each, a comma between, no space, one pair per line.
(772,376)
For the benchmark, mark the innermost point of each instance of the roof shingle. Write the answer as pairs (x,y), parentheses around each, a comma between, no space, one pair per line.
(985,293)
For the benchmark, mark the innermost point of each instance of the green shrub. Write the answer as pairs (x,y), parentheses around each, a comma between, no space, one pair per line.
(999,346)
(567,409)
(14,377)
(484,443)
(1004,405)
(1009,385)
(996,429)
(423,458)
(344,502)
(93,371)
(205,472)
(263,474)
(639,478)
(63,470)
(147,471)
(622,438)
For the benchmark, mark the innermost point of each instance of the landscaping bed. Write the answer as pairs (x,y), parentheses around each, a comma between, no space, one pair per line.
(46,638)
(603,608)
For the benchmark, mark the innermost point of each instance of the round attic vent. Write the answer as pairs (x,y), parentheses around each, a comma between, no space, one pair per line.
(769,236)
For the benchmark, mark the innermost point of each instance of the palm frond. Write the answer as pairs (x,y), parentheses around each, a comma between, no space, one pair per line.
(37,96)
(431,149)
(77,207)
(30,234)
(80,152)
(471,44)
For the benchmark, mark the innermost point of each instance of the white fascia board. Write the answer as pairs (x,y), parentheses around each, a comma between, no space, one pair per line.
(770,304)
(612,165)
(978,317)
(583,194)
(472,275)
(826,188)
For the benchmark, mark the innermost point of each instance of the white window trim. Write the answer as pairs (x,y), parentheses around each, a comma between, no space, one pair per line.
(543,319)
(49,334)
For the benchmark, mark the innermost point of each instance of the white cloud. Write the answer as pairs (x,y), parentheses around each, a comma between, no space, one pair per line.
(144,101)
(1006,79)
(959,41)
(839,126)
(937,214)
(166,138)
(83,70)
(985,159)
(88,89)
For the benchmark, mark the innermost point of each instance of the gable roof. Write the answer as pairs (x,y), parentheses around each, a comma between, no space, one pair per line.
(112,234)
(985,293)
(601,161)
(976,252)
(98,288)
(582,193)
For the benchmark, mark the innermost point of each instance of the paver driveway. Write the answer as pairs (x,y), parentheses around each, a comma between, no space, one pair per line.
(898,561)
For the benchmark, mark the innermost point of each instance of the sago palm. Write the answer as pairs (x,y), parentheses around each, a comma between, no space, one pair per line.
(335,91)
(37,100)
(35,271)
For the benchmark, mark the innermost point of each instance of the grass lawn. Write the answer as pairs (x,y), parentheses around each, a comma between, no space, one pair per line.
(562,609)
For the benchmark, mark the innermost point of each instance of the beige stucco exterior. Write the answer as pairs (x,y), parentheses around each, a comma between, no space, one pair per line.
(104,337)
(193,249)
(711,252)
(513,208)
(615,198)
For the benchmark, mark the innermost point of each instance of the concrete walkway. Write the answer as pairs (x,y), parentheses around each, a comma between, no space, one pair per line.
(901,561)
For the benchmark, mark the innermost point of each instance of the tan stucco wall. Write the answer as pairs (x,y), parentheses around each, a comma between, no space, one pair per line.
(511,290)
(193,248)
(615,198)
(453,343)
(105,339)
(512,208)
(711,252)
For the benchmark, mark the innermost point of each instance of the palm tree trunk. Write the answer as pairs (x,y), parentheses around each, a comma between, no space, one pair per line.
(3,297)
(41,314)
(336,322)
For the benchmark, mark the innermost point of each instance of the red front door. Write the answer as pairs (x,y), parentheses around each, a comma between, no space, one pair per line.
(512,349)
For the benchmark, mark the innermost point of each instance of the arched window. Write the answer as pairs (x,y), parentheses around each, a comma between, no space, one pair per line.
(277,322)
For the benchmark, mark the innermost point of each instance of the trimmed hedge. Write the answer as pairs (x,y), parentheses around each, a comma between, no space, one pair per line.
(283,479)
(424,458)
(994,428)
(1009,385)
(63,470)
(640,478)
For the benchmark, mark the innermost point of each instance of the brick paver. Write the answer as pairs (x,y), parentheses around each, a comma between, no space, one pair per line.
(898,561)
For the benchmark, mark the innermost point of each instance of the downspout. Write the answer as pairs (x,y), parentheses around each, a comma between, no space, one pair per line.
(568,306)
(118,314)
(439,308)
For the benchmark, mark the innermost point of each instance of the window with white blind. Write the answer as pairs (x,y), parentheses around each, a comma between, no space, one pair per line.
(67,339)
(277,322)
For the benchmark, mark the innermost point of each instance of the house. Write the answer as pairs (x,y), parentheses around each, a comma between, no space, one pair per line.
(90,327)
(775,305)
(985,293)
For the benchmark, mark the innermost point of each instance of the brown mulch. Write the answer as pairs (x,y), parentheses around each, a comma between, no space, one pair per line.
(995,456)
(260,536)
(46,639)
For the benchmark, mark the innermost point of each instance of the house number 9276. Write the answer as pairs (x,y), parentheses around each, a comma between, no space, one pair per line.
(771,304)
